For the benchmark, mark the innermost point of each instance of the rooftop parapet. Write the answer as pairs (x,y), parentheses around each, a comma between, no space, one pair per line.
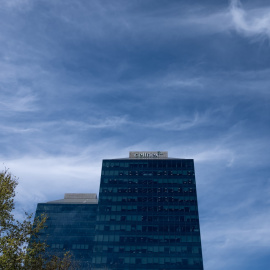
(78,198)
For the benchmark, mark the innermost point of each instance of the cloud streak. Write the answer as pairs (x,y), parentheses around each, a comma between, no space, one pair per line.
(83,80)
(250,23)
(24,103)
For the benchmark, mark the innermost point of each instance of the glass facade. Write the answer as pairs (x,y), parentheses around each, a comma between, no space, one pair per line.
(148,216)
(69,227)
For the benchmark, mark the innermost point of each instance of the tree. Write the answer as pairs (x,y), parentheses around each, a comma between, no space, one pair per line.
(20,248)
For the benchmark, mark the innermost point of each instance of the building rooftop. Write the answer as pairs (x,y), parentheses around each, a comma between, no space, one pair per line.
(140,155)
(78,198)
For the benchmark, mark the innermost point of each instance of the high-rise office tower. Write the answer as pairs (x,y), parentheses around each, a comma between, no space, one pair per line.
(147,214)
(70,226)
(146,217)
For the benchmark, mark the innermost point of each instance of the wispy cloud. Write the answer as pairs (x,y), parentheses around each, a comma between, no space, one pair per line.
(81,81)
(215,154)
(60,174)
(254,22)
(235,228)
(98,123)
(15,3)
(177,123)
(12,129)
(19,103)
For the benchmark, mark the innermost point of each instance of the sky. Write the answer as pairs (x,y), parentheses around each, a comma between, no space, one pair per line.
(86,80)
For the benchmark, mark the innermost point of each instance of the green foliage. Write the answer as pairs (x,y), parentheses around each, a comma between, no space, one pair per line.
(20,248)
(61,263)
(7,194)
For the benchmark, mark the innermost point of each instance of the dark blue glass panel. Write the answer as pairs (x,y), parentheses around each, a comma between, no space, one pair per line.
(148,216)
(69,227)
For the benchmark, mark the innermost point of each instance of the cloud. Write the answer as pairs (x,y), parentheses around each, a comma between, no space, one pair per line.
(254,22)
(18,103)
(98,123)
(177,123)
(217,153)
(12,129)
(42,178)
(237,225)
(20,5)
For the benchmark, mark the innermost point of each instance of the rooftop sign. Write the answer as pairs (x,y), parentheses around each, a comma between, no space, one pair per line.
(148,155)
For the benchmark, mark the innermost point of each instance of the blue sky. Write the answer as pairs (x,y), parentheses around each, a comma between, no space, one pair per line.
(84,80)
